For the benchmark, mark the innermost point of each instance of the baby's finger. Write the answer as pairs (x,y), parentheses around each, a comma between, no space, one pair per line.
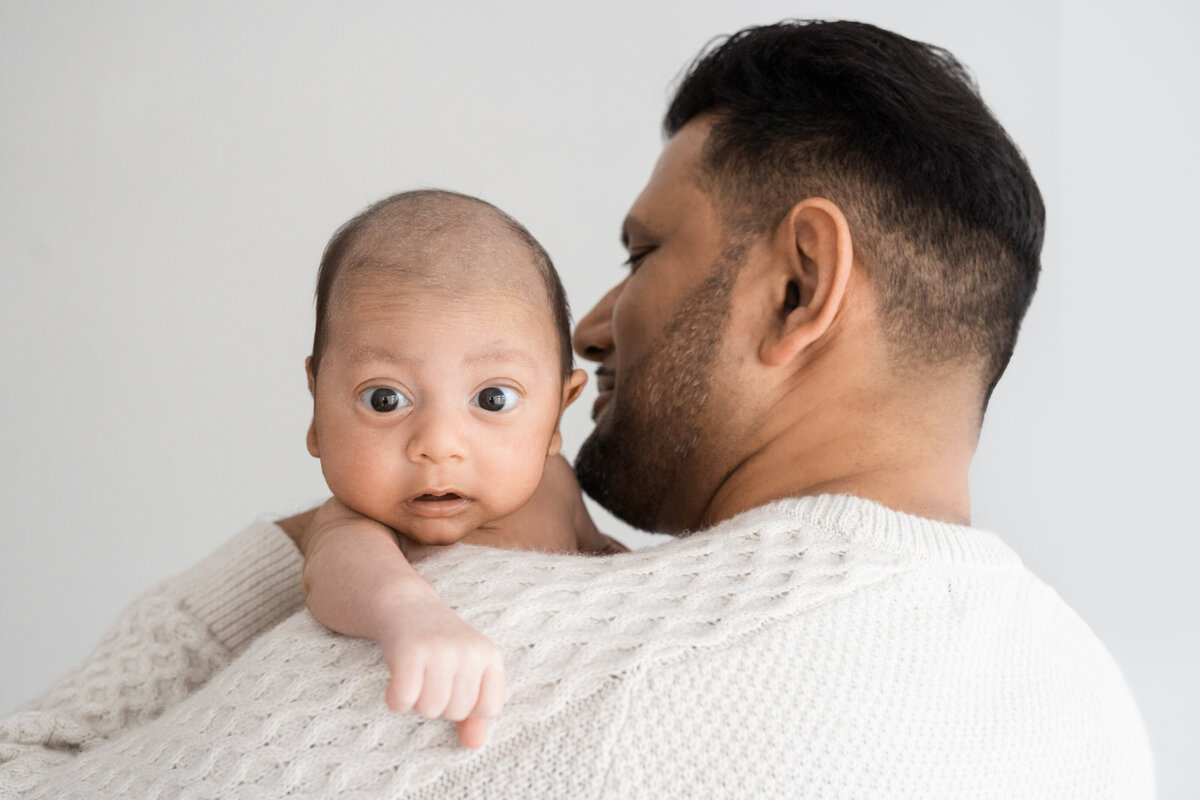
(404,687)
(491,693)
(472,733)
(463,696)
(435,693)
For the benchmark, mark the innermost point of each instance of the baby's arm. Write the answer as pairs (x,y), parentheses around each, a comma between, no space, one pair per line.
(358,582)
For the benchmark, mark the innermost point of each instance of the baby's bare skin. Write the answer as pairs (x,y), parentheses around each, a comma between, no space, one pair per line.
(439,666)
(554,520)
(537,526)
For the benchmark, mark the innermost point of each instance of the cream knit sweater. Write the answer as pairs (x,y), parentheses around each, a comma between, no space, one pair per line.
(818,647)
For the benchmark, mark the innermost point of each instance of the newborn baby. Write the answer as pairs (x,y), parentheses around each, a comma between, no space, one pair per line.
(440,370)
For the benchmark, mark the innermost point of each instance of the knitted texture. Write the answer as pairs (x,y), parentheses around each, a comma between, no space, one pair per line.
(158,652)
(816,647)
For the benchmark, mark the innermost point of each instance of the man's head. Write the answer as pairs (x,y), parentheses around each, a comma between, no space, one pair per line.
(439,371)
(869,150)
(946,217)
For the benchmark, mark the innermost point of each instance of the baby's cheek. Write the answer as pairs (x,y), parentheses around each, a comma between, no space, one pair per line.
(356,494)
(516,478)
(359,480)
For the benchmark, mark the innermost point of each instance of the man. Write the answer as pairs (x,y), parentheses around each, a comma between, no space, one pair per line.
(828,268)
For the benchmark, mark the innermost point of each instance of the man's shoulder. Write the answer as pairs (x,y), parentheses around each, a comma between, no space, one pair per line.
(964,679)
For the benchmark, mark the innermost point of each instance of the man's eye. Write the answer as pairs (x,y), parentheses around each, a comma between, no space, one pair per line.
(496,398)
(635,258)
(383,400)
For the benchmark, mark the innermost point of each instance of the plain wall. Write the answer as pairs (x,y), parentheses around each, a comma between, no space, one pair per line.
(169,174)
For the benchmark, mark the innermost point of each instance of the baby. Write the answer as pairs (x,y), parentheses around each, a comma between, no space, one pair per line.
(440,370)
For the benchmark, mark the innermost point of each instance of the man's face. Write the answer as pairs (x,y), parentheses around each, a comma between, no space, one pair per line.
(434,415)
(658,337)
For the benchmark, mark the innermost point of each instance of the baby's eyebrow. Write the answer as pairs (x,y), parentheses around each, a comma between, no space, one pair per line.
(492,354)
(500,353)
(376,353)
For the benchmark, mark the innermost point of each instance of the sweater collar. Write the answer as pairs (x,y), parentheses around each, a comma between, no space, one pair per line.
(857,520)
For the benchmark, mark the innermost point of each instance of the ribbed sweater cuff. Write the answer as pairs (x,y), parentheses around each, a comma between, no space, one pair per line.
(248,585)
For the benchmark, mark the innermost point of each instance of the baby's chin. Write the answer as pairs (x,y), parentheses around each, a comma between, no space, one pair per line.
(435,533)
(480,528)
(442,520)
(440,529)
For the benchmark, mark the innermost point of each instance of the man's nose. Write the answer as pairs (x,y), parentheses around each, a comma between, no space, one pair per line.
(438,438)
(593,338)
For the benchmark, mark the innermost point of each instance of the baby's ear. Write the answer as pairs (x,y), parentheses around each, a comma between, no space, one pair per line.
(572,387)
(311,439)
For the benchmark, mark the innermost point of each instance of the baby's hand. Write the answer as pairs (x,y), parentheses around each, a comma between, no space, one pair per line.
(359,583)
(440,666)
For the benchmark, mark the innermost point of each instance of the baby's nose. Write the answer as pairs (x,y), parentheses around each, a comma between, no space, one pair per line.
(438,438)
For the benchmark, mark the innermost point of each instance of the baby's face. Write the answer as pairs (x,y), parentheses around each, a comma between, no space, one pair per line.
(435,416)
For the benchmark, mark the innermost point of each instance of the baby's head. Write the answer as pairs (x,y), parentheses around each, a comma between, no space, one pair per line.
(441,364)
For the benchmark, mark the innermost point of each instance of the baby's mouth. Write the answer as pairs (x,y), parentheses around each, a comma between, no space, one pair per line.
(438,504)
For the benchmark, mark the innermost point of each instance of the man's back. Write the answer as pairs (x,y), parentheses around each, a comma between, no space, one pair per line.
(830,647)
(952,672)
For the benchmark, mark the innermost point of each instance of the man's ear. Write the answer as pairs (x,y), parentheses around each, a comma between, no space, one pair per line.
(817,254)
(572,388)
(311,438)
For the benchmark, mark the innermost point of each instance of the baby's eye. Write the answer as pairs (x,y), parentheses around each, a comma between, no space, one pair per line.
(383,400)
(496,398)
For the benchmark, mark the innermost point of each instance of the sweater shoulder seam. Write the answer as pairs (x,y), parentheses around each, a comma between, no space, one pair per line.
(629,683)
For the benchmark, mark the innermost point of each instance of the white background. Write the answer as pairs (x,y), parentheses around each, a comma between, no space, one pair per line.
(170,172)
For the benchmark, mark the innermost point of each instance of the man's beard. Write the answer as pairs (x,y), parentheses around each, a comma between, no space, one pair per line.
(632,461)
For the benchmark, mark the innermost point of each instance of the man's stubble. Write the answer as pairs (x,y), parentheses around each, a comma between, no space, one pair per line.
(634,459)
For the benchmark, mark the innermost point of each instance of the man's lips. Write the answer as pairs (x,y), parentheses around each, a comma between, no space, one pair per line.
(606,382)
(438,503)
(606,379)
(602,401)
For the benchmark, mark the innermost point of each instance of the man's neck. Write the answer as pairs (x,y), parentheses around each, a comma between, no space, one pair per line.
(910,454)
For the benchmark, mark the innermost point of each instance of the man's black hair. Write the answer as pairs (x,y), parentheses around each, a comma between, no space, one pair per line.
(944,212)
